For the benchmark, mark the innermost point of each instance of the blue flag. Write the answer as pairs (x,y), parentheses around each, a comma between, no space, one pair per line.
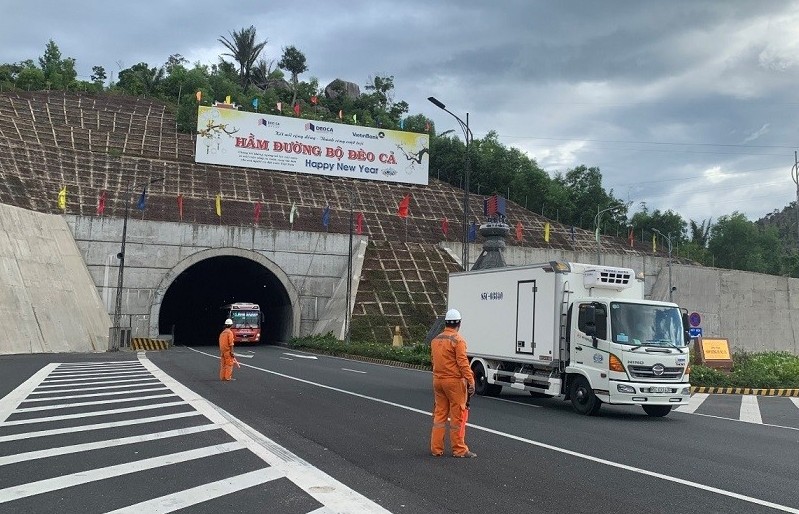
(255,103)
(142,200)
(402,124)
(326,216)
(472,232)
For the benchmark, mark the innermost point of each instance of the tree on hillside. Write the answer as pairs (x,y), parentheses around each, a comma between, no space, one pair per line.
(98,75)
(700,234)
(244,50)
(58,73)
(293,61)
(737,243)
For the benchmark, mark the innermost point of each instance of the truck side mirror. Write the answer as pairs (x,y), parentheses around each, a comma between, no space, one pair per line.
(686,334)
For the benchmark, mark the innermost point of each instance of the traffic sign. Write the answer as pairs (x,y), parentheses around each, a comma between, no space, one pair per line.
(695,319)
(695,332)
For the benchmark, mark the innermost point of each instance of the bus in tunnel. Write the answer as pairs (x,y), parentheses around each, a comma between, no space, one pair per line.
(190,310)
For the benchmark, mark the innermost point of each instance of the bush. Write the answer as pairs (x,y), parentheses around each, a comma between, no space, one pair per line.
(418,354)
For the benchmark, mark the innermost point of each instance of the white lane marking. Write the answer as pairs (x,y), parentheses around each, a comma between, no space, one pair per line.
(312,357)
(84,477)
(124,388)
(516,402)
(96,402)
(244,356)
(92,385)
(12,400)
(95,375)
(97,426)
(205,492)
(321,486)
(287,359)
(739,421)
(95,445)
(91,395)
(353,370)
(90,414)
(750,410)
(693,403)
(795,402)
(648,473)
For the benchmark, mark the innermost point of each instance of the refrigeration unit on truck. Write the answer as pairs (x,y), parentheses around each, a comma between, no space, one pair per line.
(581,332)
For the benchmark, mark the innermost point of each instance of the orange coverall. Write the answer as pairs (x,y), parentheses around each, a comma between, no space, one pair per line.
(226,354)
(451,375)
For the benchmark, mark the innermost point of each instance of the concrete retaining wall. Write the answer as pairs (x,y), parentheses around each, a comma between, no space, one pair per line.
(48,300)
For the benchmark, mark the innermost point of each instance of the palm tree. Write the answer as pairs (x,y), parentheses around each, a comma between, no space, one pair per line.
(244,50)
(293,61)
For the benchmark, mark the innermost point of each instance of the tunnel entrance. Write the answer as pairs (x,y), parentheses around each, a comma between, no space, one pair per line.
(192,312)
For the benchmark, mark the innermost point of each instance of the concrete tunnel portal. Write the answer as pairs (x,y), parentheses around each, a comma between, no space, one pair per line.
(191,309)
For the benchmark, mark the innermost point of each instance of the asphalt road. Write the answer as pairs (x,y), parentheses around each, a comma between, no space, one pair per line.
(366,427)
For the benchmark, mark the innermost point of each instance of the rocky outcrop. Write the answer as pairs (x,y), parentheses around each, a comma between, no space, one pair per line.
(340,87)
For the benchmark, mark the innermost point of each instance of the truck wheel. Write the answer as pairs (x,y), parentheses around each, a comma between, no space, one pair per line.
(583,398)
(657,411)
(481,385)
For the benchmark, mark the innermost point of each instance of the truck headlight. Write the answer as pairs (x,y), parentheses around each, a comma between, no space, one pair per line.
(686,390)
(623,388)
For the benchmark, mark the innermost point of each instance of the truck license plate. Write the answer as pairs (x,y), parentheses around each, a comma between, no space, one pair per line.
(659,389)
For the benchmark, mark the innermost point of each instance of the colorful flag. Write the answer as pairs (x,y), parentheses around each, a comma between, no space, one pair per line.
(490,205)
(294,213)
(218,204)
(297,109)
(402,124)
(257,214)
(355,118)
(326,216)
(227,99)
(180,207)
(473,231)
(142,203)
(596,234)
(359,224)
(279,106)
(314,100)
(631,237)
(62,199)
(199,96)
(445,226)
(654,243)
(255,103)
(427,126)
(340,114)
(519,231)
(402,210)
(546,232)
(101,203)
(572,234)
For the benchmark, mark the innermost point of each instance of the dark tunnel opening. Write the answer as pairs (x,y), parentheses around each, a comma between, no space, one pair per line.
(192,307)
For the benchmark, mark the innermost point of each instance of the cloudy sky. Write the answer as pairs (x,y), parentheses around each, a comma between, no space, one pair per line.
(684,105)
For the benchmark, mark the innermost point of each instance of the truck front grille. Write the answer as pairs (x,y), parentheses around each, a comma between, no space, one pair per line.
(648,372)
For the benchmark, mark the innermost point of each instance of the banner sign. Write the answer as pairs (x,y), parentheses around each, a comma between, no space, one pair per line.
(229,137)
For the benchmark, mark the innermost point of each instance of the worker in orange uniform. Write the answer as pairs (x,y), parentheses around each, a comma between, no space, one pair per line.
(226,356)
(453,383)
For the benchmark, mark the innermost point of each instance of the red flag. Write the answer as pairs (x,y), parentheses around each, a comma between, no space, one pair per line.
(519,234)
(631,237)
(257,215)
(297,109)
(404,204)
(427,127)
(445,226)
(314,99)
(101,203)
(180,206)
(359,224)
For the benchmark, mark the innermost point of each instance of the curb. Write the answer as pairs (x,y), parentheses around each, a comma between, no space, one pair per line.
(145,343)
(746,390)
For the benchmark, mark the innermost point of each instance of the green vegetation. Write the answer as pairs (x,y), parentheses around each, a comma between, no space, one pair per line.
(571,197)
(768,370)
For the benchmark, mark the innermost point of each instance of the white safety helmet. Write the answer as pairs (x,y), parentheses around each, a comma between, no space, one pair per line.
(453,316)
(228,322)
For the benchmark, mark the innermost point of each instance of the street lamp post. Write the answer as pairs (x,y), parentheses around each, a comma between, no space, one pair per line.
(668,238)
(121,257)
(467,133)
(597,219)
(795,177)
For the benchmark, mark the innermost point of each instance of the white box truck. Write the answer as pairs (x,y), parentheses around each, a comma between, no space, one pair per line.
(580,332)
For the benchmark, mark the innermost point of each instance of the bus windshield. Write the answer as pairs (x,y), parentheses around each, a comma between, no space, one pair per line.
(245,319)
(646,325)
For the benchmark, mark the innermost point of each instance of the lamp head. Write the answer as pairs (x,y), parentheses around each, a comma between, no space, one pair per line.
(435,102)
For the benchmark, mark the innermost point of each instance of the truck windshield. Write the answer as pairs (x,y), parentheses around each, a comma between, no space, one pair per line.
(646,325)
(245,319)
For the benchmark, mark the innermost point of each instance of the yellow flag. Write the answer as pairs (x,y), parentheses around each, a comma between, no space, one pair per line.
(294,213)
(227,99)
(546,231)
(654,243)
(219,205)
(199,96)
(62,199)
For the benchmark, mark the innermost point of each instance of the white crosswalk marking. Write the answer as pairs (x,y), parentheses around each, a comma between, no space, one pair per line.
(693,404)
(795,401)
(750,410)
